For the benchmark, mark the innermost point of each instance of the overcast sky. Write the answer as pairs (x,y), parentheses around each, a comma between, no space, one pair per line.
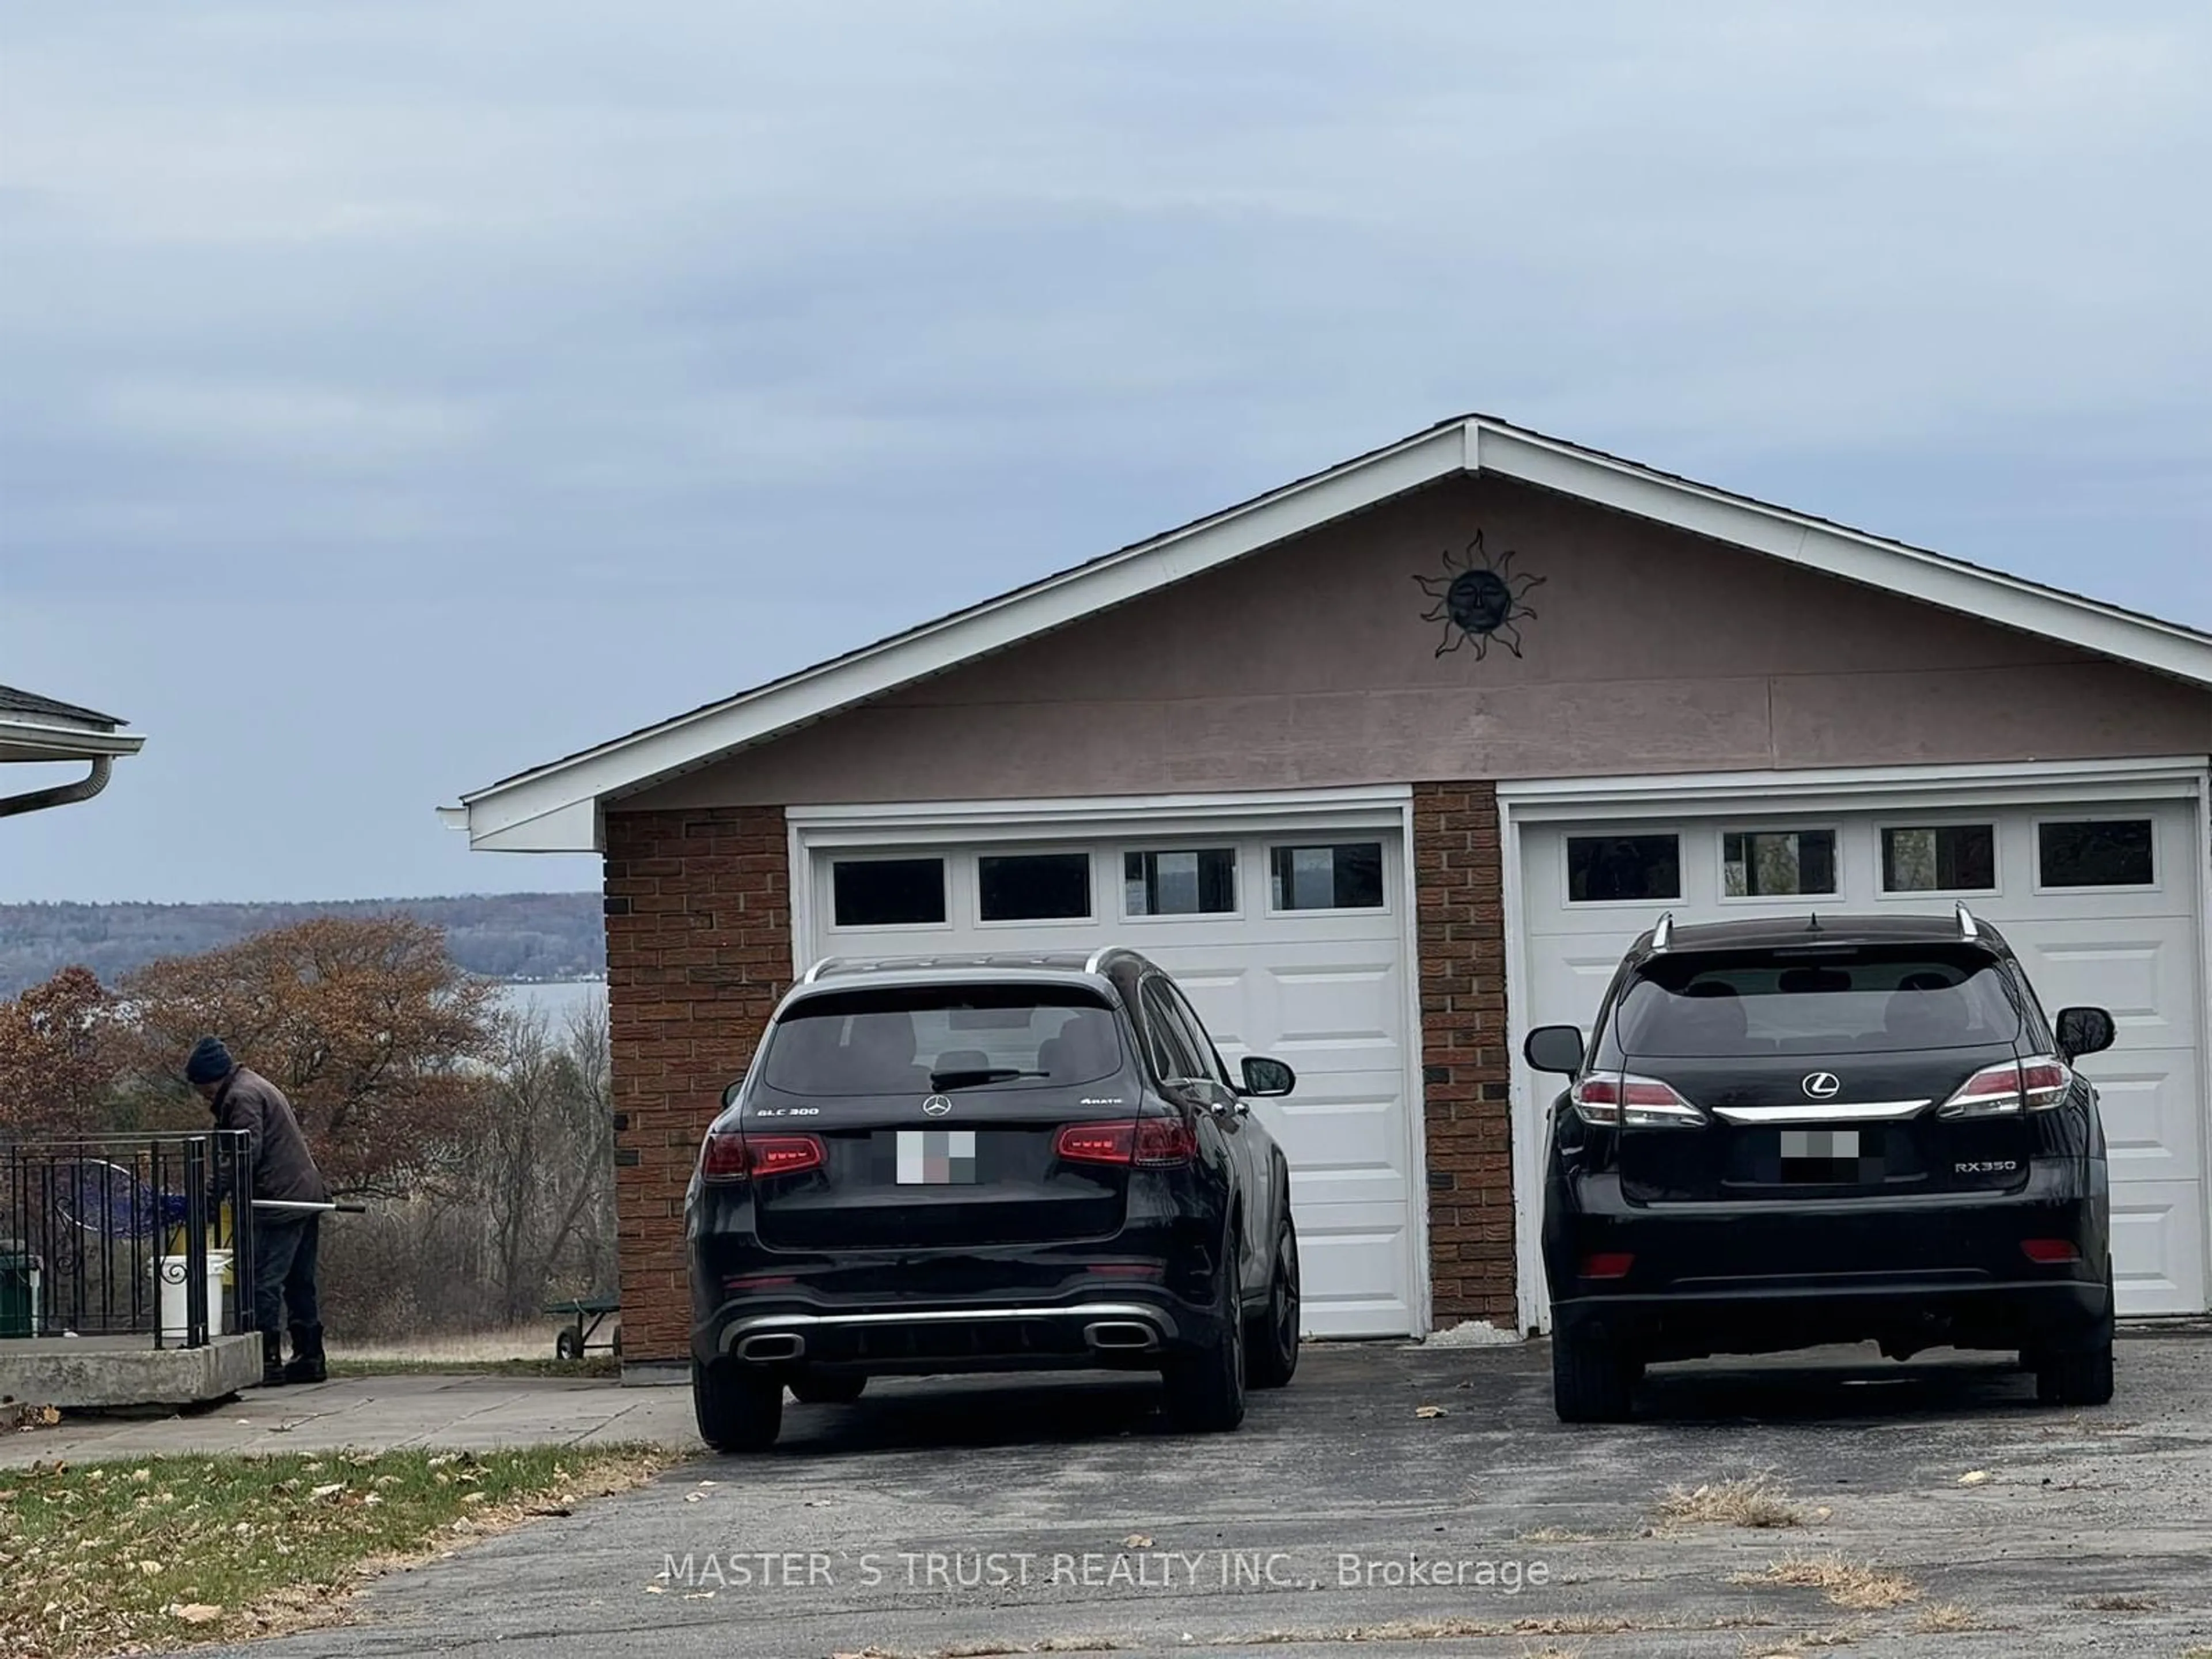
(393,396)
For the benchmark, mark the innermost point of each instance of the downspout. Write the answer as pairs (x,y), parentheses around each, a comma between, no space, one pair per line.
(61,795)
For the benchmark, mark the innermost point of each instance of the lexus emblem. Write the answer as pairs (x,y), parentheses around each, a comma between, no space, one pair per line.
(939,1105)
(1821,1085)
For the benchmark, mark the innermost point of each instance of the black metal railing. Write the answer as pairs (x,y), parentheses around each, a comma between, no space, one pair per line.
(116,1234)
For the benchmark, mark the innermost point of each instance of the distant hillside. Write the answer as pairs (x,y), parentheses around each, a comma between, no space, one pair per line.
(514,936)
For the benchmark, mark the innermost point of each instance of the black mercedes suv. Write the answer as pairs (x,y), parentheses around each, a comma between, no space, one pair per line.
(1824,1129)
(988,1164)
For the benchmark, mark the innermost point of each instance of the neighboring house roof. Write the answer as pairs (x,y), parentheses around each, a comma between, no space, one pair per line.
(13,701)
(555,807)
(36,728)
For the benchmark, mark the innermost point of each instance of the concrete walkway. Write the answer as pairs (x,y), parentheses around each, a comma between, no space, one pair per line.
(461,1413)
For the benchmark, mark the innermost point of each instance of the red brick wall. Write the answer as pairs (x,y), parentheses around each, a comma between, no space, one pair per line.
(1459,882)
(698,907)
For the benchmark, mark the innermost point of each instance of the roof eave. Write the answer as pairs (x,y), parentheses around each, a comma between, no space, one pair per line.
(31,740)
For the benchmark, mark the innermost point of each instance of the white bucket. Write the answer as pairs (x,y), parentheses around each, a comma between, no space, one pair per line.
(171,1273)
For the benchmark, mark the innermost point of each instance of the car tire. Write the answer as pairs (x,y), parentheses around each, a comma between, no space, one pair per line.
(1204,1392)
(2081,1378)
(736,1410)
(827,1389)
(568,1345)
(1592,1382)
(1271,1342)
(2078,1377)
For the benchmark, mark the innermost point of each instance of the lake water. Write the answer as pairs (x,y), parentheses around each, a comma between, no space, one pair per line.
(555,999)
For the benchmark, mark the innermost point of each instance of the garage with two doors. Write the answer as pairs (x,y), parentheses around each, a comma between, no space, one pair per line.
(1389,767)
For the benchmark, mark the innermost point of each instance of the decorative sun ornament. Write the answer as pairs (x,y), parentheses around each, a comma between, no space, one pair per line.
(1478,599)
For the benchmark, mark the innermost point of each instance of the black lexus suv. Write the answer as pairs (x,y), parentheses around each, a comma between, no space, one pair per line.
(1824,1129)
(988,1164)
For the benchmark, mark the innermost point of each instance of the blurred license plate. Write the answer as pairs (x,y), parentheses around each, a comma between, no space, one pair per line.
(936,1157)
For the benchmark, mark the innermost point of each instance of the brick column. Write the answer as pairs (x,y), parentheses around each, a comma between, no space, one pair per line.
(1466,1111)
(698,909)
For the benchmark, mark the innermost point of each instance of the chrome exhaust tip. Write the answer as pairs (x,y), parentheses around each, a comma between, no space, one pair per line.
(765,1348)
(1121,1335)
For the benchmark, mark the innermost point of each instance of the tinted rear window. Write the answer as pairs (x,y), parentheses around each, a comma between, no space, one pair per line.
(933,1040)
(1824,1002)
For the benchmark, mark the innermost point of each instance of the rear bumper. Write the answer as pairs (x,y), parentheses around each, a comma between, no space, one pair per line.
(1763,1278)
(1114,1334)
(1005,1309)
(1904,1318)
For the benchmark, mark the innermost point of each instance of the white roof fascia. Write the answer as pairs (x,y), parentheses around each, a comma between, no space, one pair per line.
(44,741)
(554,808)
(1911,572)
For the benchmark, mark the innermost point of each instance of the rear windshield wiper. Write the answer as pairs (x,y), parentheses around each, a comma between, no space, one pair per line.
(970,1079)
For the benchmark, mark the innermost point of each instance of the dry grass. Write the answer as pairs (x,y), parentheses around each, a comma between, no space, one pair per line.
(1758,1501)
(148,1555)
(2117,1603)
(1845,1584)
(1945,1619)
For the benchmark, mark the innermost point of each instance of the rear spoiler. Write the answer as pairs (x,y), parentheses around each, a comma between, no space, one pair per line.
(1970,931)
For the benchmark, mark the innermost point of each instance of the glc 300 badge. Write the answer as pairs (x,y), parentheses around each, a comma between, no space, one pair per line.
(936,1106)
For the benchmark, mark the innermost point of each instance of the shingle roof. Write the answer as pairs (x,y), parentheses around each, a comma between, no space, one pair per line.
(13,701)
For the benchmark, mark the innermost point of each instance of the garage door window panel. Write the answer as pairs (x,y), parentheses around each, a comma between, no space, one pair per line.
(1939,858)
(1033,887)
(1761,864)
(2074,854)
(1180,882)
(1625,869)
(888,893)
(1339,876)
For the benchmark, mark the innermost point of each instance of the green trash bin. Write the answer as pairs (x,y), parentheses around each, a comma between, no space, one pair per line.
(19,1290)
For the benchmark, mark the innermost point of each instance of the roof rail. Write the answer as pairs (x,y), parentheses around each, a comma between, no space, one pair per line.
(819,969)
(1096,961)
(1664,931)
(1968,929)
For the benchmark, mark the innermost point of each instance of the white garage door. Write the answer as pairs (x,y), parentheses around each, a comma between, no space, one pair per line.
(2101,902)
(1290,945)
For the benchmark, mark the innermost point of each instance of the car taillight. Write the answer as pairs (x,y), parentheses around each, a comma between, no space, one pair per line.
(2049,1252)
(1613,1100)
(1606,1264)
(1150,1141)
(2035,1084)
(732,1155)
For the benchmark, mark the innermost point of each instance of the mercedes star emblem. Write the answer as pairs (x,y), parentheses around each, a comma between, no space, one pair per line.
(1821,1085)
(939,1105)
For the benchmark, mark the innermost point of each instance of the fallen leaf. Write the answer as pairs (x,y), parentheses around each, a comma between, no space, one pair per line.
(689,1497)
(1429,1410)
(1137,1541)
(194,1613)
(656,1590)
(325,1491)
(1976,1478)
(149,1568)
(472,1498)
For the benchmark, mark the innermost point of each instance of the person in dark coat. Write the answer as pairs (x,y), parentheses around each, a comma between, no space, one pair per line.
(283,1241)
